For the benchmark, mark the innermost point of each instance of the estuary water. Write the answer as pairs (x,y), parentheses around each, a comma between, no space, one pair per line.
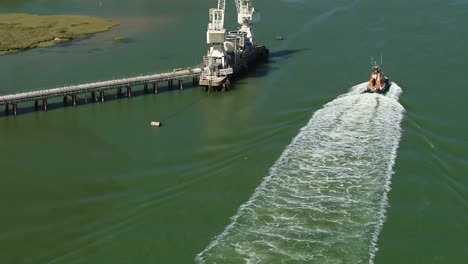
(294,165)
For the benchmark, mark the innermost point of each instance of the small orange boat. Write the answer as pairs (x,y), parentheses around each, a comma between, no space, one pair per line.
(379,82)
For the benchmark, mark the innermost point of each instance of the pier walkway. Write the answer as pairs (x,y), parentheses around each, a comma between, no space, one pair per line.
(74,90)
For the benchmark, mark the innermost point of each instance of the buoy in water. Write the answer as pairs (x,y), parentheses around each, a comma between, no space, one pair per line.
(279,38)
(120,39)
(155,124)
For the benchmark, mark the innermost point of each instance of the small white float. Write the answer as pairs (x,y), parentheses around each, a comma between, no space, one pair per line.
(155,124)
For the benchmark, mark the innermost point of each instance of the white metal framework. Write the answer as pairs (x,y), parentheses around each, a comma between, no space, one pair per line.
(246,17)
(225,47)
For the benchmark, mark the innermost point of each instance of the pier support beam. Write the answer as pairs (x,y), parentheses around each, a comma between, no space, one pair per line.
(15,108)
(70,94)
(44,104)
(129,91)
(119,92)
(155,87)
(210,87)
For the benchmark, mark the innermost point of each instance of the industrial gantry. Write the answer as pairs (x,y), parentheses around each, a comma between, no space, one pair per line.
(230,52)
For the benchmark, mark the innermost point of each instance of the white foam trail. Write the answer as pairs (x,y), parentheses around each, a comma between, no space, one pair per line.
(325,198)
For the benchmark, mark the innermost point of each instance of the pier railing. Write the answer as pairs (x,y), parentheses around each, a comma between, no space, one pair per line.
(74,90)
(97,86)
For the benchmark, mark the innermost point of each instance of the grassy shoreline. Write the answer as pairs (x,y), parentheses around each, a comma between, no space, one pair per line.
(25,31)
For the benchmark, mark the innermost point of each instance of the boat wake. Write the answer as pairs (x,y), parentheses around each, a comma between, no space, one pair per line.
(325,198)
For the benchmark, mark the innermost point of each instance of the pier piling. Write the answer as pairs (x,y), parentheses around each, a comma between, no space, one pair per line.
(102,95)
(155,87)
(181,84)
(129,91)
(65,101)
(74,100)
(15,108)
(6,109)
(36,105)
(44,104)
(145,88)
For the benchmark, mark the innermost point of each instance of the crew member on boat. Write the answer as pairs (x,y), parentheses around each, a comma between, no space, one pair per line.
(376,77)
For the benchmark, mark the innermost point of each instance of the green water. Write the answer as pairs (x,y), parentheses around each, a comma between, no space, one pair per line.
(96,184)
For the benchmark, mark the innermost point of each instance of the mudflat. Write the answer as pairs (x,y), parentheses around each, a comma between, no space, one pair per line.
(26,31)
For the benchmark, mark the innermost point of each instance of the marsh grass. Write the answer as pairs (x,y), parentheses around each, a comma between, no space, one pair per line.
(25,31)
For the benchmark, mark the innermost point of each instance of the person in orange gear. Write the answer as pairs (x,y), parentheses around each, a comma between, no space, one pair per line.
(376,77)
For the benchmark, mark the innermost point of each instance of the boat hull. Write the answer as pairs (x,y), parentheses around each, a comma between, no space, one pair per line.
(382,89)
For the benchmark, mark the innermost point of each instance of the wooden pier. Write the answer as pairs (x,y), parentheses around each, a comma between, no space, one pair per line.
(97,90)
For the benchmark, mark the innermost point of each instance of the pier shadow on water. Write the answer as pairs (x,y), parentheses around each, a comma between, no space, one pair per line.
(273,63)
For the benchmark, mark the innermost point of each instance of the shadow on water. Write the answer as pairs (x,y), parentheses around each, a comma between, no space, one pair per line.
(270,65)
(287,53)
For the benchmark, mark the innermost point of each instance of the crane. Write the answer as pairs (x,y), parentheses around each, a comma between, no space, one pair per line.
(246,17)
(215,36)
(227,49)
